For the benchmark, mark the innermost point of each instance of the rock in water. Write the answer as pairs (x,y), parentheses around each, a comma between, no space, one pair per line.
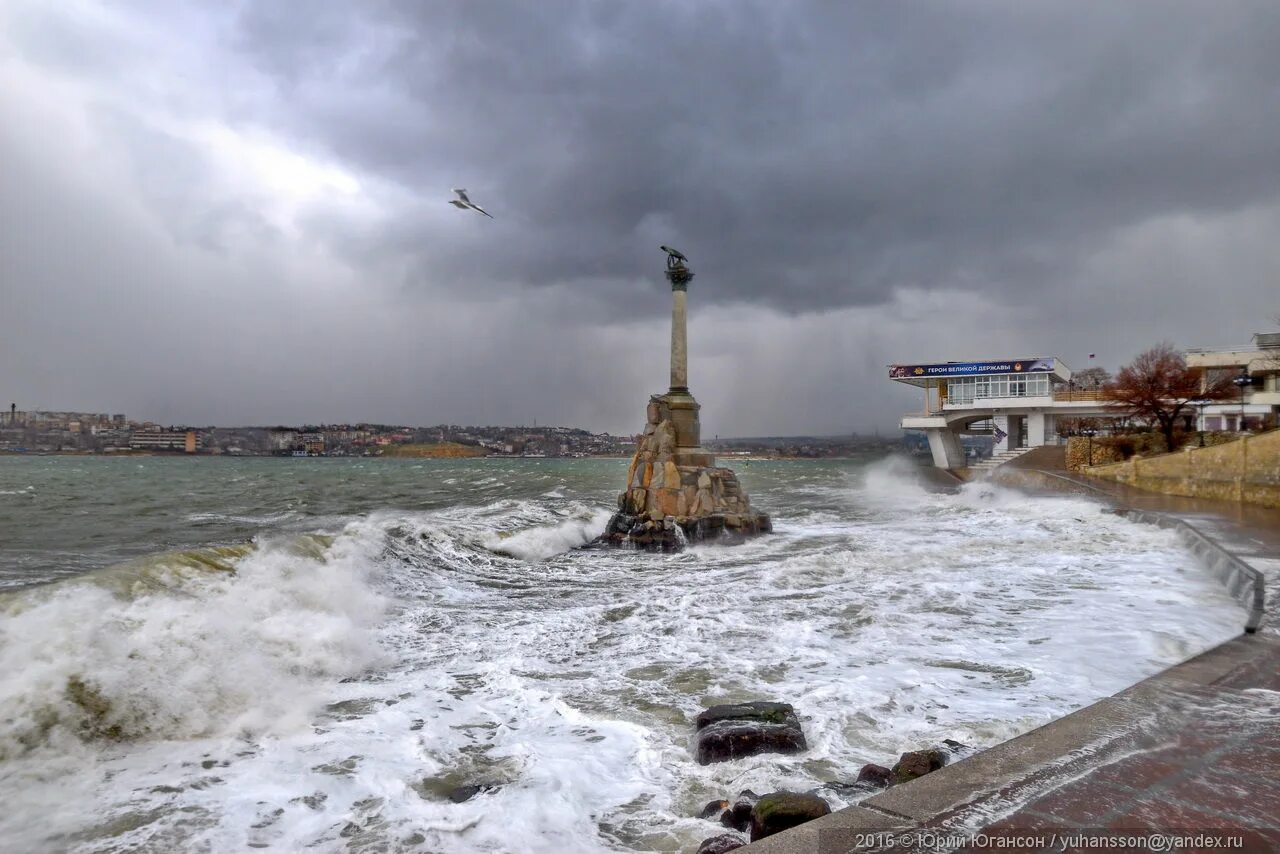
(877,776)
(763,711)
(917,763)
(459,794)
(721,844)
(955,750)
(713,809)
(745,729)
(778,811)
(738,816)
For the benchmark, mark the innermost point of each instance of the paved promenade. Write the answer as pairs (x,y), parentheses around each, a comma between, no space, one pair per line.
(1208,759)
(1186,760)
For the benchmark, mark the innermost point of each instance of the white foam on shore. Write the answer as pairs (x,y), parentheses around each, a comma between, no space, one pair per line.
(478,649)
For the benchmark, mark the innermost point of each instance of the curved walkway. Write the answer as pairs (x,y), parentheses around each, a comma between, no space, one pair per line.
(1186,760)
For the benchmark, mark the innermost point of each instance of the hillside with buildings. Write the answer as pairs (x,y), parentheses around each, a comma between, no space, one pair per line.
(84,432)
(51,432)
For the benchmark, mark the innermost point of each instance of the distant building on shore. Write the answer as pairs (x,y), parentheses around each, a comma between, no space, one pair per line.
(1021,403)
(188,441)
(1017,402)
(1257,365)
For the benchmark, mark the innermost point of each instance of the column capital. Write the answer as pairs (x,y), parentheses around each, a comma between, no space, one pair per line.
(679,276)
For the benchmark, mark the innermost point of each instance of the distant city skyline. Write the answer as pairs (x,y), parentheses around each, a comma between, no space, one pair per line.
(237,214)
(74,432)
(34,417)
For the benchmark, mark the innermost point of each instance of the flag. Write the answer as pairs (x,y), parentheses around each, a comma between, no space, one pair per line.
(1091,355)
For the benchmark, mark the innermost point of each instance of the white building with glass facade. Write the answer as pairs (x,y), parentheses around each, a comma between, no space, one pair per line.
(1016,401)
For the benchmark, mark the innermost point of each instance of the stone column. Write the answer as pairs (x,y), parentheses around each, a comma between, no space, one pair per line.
(679,340)
(679,275)
(680,403)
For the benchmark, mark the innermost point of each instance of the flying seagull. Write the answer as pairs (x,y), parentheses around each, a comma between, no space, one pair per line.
(466,204)
(675,254)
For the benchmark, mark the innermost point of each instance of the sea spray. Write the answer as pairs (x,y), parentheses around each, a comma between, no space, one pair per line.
(892,480)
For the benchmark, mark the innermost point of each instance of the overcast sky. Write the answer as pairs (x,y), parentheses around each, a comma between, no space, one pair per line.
(236,213)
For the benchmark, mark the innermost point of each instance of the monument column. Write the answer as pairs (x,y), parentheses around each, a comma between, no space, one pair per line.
(675,493)
(679,337)
(679,275)
(679,401)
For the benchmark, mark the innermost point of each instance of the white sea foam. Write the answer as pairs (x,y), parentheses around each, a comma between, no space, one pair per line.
(564,681)
(199,654)
(541,542)
(264,519)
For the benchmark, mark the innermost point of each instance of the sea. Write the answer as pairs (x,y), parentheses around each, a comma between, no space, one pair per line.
(219,654)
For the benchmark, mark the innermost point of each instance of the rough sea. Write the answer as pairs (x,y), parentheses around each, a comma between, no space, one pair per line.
(311,654)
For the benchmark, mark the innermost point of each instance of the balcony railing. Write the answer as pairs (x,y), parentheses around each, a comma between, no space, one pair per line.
(1079,395)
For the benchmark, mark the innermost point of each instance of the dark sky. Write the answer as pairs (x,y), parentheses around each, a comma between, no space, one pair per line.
(236,213)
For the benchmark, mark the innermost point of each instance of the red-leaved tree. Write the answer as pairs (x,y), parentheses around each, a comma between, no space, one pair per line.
(1158,387)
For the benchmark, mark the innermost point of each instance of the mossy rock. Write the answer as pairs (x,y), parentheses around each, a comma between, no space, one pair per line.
(778,811)
(917,763)
(759,711)
(735,730)
(875,776)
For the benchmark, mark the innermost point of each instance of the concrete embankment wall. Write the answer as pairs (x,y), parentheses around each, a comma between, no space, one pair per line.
(1245,470)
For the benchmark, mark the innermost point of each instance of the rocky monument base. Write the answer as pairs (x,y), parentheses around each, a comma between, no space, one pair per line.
(677,495)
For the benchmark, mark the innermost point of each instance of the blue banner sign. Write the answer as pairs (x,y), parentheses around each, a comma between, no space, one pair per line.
(972,369)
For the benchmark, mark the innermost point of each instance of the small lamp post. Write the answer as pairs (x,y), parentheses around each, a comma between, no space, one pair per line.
(1200,424)
(1090,432)
(1242,382)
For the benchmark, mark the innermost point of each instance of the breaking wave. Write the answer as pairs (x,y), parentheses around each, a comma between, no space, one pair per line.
(200,643)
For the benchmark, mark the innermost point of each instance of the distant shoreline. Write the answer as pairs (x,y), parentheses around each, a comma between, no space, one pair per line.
(723,460)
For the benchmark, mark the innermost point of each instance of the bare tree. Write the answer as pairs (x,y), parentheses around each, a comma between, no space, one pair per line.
(1076,426)
(1157,387)
(1089,378)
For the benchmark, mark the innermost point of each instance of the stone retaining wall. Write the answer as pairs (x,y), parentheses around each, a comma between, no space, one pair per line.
(1078,449)
(1245,470)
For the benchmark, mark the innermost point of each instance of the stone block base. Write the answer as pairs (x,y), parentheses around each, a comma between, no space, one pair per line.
(675,493)
(627,531)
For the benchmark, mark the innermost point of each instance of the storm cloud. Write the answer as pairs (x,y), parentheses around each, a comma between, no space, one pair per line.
(236,213)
